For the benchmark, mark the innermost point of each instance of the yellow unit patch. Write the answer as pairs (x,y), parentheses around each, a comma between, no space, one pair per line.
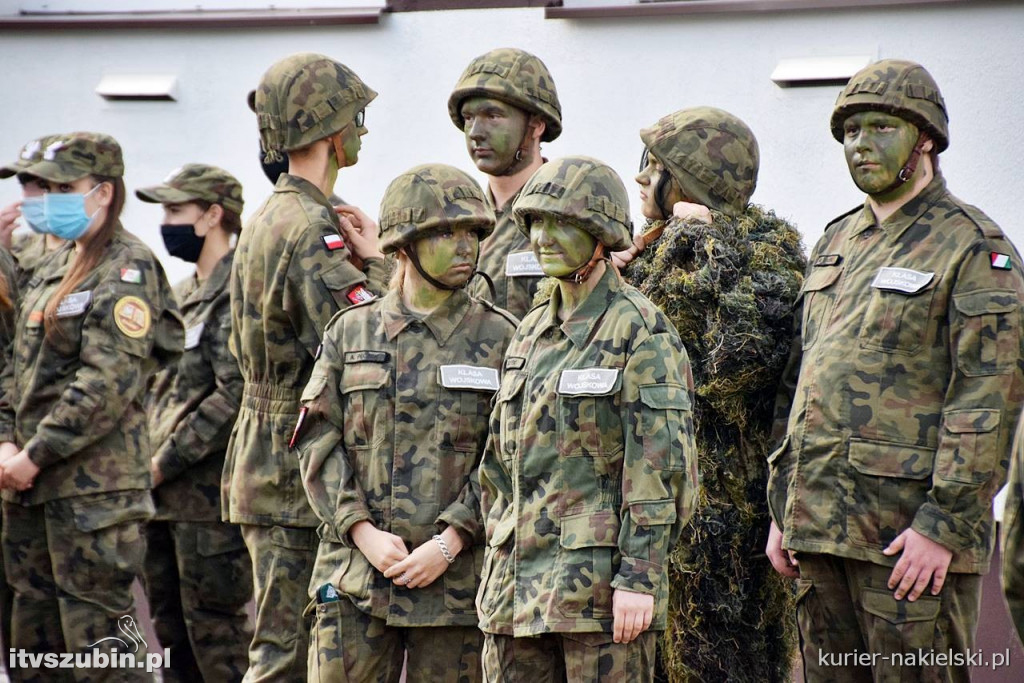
(132,316)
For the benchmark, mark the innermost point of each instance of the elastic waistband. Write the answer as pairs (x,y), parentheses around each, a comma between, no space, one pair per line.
(270,397)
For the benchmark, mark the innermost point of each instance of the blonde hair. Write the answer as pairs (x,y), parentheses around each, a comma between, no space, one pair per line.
(398,274)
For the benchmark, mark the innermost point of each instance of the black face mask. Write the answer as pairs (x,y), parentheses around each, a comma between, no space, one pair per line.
(181,242)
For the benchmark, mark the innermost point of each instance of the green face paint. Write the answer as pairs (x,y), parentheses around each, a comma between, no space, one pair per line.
(560,246)
(449,257)
(877,145)
(494,130)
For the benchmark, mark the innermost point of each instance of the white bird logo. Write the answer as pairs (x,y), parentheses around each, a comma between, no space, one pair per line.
(127,626)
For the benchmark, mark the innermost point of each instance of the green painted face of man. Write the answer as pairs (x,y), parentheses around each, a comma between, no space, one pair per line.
(449,256)
(877,146)
(495,131)
(561,247)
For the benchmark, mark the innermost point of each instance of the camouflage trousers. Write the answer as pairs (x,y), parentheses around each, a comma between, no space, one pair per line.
(847,617)
(71,563)
(347,645)
(282,565)
(569,658)
(6,607)
(198,578)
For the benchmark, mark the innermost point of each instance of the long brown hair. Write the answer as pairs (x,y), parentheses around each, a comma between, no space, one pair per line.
(86,257)
(5,294)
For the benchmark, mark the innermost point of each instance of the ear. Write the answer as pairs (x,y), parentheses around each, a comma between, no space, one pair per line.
(537,127)
(104,194)
(928,145)
(214,215)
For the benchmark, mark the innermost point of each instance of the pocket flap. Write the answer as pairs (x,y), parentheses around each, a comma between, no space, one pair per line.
(821,278)
(665,396)
(886,459)
(986,301)
(511,386)
(503,530)
(99,512)
(590,529)
(971,421)
(341,276)
(218,539)
(313,388)
(362,376)
(881,604)
(653,512)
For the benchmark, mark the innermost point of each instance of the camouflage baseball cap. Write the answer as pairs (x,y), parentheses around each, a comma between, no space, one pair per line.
(901,88)
(196,181)
(29,154)
(514,76)
(583,190)
(710,153)
(66,158)
(304,98)
(430,198)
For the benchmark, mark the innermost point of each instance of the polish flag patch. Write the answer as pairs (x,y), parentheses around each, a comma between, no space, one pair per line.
(360,294)
(1000,261)
(333,242)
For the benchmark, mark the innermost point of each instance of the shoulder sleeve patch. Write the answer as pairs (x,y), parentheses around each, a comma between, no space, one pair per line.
(132,275)
(132,316)
(333,242)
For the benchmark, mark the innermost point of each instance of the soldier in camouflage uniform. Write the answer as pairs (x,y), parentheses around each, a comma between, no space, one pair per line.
(903,393)
(1013,539)
(198,572)
(506,104)
(590,472)
(396,422)
(8,313)
(727,274)
(74,446)
(28,248)
(292,273)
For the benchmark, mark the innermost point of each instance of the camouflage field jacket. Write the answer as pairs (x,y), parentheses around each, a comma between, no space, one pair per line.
(905,384)
(590,471)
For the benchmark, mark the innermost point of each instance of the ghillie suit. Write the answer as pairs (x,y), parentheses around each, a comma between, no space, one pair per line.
(729,288)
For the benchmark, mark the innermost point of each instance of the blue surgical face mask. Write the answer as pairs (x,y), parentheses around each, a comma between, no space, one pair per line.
(60,215)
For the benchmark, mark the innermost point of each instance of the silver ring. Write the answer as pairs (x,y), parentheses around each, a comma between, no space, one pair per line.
(403,579)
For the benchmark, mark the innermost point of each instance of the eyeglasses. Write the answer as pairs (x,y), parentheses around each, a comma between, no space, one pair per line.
(360,118)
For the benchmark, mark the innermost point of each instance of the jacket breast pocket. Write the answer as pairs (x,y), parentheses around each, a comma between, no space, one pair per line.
(967,451)
(365,391)
(988,332)
(586,564)
(896,322)
(818,297)
(889,482)
(589,424)
(509,407)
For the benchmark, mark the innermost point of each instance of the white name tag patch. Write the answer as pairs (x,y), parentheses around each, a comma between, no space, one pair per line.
(902,280)
(591,382)
(469,377)
(193,335)
(74,304)
(523,264)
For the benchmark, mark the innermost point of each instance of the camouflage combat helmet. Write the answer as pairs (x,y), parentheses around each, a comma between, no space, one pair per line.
(513,76)
(430,198)
(304,98)
(710,153)
(67,158)
(583,190)
(897,87)
(29,154)
(193,182)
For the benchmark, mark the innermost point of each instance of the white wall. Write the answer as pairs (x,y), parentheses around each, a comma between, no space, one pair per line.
(613,76)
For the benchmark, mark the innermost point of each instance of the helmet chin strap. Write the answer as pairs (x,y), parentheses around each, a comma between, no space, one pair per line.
(581,274)
(415,260)
(909,168)
(520,160)
(339,151)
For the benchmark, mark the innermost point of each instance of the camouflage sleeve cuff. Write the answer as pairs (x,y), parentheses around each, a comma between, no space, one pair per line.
(6,434)
(948,530)
(464,520)
(376,270)
(345,520)
(169,460)
(639,576)
(41,455)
